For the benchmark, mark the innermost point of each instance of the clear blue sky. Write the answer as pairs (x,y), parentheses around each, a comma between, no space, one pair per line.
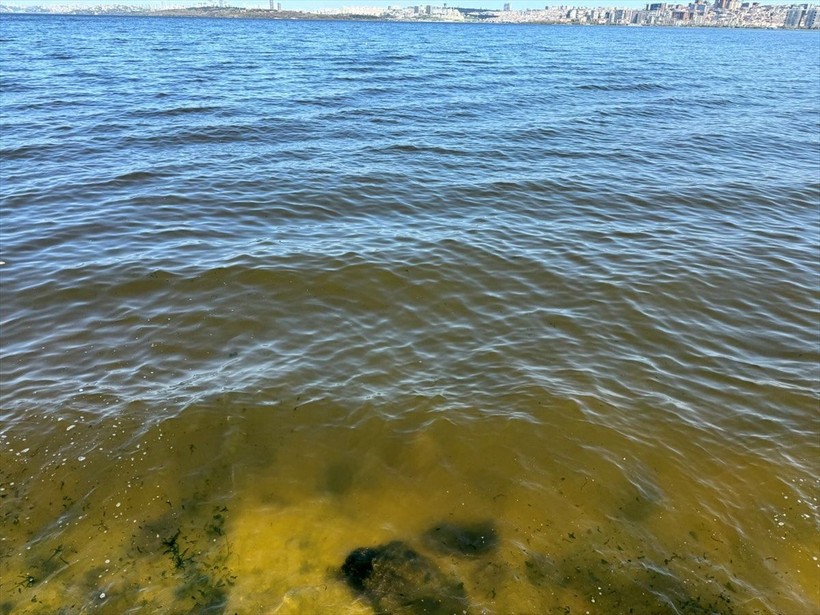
(314,4)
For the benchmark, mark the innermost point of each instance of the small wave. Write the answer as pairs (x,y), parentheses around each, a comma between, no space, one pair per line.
(21,152)
(209,134)
(623,87)
(537,134)
(175,111)
(409,148)
(128,179)
(57,105)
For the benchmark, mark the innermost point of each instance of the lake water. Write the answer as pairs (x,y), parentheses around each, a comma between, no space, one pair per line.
(273,291)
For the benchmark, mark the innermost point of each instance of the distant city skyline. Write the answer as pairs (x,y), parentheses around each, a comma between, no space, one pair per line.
(312,5)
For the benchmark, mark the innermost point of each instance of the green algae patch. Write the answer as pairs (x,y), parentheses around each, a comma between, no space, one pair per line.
(463,539)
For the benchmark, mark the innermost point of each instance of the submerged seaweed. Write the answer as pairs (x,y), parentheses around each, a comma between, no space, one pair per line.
(467,540)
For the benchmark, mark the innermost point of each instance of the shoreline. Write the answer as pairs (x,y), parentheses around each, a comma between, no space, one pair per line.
(269,15)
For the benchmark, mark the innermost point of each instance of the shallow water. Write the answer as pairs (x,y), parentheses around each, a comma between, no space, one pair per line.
(273,291)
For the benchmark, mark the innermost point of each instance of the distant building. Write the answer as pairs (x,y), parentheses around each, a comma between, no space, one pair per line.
(811,20)
(794,17)
(506,6)
(621,16)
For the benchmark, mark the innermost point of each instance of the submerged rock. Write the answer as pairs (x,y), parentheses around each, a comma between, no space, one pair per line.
(468,540)
(397,580)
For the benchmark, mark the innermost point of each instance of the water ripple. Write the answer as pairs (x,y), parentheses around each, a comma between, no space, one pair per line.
(326,275)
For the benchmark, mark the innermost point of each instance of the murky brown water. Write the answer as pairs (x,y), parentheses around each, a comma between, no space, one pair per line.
(252,510)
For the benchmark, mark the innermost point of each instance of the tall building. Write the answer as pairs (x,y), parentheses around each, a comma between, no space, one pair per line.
(811,20)
(621,16)
(794,17)
(506,6)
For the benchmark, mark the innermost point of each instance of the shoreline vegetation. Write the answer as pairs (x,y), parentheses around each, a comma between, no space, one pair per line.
(700,14)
